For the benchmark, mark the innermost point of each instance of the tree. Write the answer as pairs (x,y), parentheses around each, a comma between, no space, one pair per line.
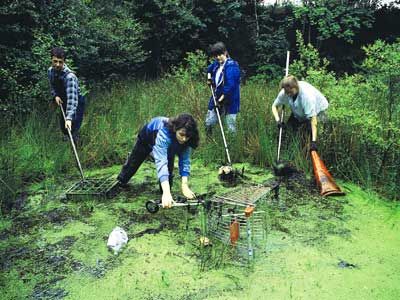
(99,42)
(170,30)
(272,42)
(325,19)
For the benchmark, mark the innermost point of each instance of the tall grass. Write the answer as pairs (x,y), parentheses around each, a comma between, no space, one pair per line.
(34,150)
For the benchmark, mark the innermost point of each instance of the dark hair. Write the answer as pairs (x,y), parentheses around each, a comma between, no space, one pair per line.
(57,52)
(217,49)
(187,122)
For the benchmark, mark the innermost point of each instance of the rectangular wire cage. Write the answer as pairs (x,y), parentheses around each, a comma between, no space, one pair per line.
(239,220)
(103,187)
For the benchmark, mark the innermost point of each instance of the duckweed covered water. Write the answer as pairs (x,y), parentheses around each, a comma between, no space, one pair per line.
(317,248)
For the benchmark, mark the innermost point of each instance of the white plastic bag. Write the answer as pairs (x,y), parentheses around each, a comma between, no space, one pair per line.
(117,239)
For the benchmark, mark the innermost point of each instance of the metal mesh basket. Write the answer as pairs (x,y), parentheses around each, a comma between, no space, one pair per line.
(97,187)
(228,222)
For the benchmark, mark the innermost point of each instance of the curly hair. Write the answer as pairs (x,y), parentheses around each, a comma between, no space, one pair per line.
(187,122)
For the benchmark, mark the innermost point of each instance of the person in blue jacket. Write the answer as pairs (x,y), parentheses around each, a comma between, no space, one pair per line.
(224,76)
(165,138)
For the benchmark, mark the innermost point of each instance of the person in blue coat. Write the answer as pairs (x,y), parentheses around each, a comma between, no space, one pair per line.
(223,75)
(165,138)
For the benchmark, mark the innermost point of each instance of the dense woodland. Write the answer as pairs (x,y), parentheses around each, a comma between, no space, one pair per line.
(111,40)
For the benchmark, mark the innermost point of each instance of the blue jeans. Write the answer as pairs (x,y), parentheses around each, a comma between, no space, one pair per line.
(230,119)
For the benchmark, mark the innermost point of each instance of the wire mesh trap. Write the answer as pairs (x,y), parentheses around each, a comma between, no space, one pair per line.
(239,220)
(104,187)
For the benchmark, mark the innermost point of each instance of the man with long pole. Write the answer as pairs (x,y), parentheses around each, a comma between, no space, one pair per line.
(64,86)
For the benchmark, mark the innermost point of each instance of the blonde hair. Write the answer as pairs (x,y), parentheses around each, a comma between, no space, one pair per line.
(289,81)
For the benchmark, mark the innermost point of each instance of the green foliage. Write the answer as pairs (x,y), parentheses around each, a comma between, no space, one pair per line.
(309,59)
(363,135)
(271,43)
(167,24)
(98,44)
(334,19)
(116,40)
(109,40)
(192,68)
(382,65)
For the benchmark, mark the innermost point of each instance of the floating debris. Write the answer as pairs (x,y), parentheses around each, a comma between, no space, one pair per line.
(344,264)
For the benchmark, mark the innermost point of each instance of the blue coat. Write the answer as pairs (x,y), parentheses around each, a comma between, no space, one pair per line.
(229,86)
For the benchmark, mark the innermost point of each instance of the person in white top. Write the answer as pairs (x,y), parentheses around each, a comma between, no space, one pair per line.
(308,105)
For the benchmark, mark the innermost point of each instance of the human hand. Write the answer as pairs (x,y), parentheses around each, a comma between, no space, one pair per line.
(313,146)
(68,125)
(209,80)
(58,100)
(187,192)
(167,200)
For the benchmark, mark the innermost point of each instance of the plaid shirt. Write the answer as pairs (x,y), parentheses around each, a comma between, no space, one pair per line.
(65,85)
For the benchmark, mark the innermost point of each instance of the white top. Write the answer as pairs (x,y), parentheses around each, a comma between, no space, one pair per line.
(219,75)
(309,103)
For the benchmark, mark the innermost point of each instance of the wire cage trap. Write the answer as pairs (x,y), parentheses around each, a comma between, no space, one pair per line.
(239,220)
(104,187)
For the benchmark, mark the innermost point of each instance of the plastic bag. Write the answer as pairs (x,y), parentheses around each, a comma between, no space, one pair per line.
(117,239)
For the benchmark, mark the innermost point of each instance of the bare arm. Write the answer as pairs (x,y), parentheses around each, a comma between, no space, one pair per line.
(314,128)
(278,102)
(275,113)
(186,191)
(166,198)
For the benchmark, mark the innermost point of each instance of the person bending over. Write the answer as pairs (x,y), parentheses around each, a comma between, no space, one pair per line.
(165,138)
(307,104)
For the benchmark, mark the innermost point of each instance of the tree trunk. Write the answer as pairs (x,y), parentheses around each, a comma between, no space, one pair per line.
(256,17)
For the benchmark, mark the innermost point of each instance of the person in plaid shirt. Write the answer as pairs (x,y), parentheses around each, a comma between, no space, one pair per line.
(65,90)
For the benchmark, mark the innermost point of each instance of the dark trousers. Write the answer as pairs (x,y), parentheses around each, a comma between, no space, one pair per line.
(139,153)
(303,129)
(296,124)
(77,121)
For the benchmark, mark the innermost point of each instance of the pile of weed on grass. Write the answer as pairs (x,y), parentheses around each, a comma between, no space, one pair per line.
(299,201)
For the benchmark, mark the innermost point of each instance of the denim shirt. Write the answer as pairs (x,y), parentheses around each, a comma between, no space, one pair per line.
(165,146)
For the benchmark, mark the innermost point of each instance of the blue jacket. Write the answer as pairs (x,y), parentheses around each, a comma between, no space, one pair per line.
(229,86)
(165,146)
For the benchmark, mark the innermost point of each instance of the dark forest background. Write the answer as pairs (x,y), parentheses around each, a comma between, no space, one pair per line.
(112,40)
